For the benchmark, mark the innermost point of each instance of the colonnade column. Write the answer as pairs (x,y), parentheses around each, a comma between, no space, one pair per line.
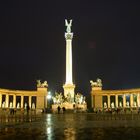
(0,100)
(14,101)
(131,100)
(21,103)
(138,102)
(92,101)
(116,100)
(124,100)
(108,99)
(7,100)
(30,97)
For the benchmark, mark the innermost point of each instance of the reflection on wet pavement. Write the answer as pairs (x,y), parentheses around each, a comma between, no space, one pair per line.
(68,127)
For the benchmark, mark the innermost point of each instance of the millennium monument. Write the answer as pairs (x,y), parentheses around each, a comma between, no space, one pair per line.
(70,100)
(69,86)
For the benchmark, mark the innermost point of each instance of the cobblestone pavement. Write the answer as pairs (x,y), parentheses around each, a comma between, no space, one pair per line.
(70,127)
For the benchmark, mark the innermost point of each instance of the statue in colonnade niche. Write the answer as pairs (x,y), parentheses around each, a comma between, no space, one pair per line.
(120,104)
(18,105)
(3,105)
(105,105)
(33,105)
(127,104)
(135,104)
(11,104)
(25,106)
(112,105)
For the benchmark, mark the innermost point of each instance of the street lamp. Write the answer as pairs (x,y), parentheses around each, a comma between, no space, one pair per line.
(49,96)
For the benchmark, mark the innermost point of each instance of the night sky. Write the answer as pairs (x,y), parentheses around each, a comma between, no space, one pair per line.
(106,43)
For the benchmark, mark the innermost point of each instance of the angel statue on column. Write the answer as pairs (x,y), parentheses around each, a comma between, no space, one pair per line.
(68,25)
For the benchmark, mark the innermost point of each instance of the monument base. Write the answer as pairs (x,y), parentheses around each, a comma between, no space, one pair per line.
(70,106)
(69,89)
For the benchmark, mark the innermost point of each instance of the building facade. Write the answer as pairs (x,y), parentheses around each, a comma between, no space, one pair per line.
(19,99)
(102,99)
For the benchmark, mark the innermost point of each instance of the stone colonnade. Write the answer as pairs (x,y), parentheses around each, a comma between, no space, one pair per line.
(21,99)
(124,102)
(14,103)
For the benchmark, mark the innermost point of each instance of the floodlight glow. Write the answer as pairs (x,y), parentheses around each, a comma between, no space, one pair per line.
(49,96)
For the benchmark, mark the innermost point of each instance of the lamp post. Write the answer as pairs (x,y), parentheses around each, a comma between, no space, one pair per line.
(49,96)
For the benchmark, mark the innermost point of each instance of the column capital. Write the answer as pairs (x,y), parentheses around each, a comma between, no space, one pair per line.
(68,36)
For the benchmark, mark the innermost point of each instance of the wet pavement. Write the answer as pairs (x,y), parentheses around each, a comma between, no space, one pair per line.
(79,126)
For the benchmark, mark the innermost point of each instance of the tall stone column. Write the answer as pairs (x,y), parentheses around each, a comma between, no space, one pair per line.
(30,97)
(124,100)
(21,103)
(131,100)
(108,100)
(14,101)
(0,100)
(116,100)
(7,100)
(138,100)
(68,37)
(69,86)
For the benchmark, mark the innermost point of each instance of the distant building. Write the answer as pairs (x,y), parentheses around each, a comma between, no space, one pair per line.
(102,99)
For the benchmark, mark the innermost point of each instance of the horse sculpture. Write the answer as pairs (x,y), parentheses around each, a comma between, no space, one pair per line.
(98,83)
(44,84)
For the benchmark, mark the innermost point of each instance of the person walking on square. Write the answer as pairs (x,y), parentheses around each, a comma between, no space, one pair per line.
(58,108)
(28,108)
(64,109)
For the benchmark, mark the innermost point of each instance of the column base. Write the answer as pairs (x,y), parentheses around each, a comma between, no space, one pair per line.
(69,88)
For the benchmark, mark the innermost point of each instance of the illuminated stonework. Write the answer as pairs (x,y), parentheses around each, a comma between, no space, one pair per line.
(19,99)
(69,86)
(102,99)
(69,100)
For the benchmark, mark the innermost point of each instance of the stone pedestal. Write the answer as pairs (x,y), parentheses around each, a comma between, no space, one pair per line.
(69,106)
(69,89)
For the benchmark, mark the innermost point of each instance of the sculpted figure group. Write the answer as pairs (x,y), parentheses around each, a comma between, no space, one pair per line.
(98,83)
(41,85)
(59,98)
